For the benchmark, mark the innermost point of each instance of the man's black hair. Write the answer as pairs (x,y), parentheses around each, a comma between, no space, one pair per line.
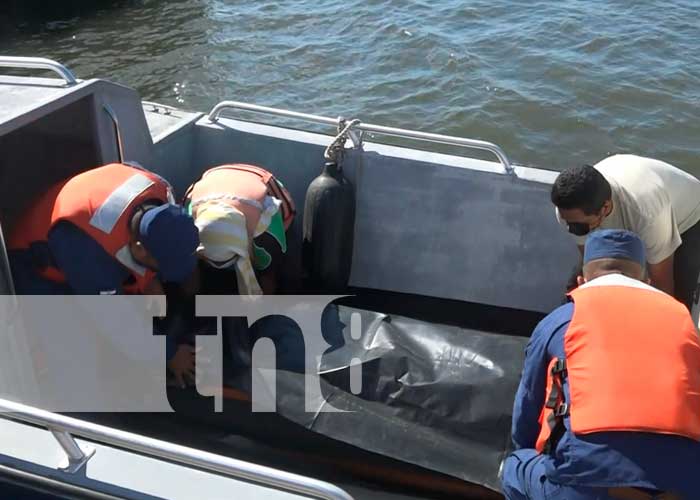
(144,207)
(581,187)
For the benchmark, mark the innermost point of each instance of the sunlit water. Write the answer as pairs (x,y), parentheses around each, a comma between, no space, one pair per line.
(553,83)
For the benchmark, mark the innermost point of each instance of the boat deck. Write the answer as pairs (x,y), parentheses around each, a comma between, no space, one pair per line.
(21,100)
(164,120)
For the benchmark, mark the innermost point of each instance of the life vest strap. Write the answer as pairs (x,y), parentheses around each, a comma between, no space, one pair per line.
(288,208)
(225,196)
(556,395)
(558,405)
(562,410)
(274,188)
(559,367)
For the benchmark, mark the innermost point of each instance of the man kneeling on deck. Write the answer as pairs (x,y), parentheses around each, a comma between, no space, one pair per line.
(609,401)
(106,231)
(244,216)
(248,246)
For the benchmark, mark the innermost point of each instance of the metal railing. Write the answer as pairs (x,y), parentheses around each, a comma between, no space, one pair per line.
(39,63)
(63,428)
(215,113)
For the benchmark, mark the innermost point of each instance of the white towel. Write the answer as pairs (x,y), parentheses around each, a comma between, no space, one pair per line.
(224,242)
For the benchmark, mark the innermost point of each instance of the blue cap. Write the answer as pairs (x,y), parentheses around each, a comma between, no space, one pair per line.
(170,236)
(614,244)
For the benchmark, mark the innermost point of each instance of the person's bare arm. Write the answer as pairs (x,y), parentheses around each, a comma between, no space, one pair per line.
(182,365)
(661,238)
(661,275)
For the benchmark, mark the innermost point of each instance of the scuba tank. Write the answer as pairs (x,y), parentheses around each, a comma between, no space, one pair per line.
(328,229)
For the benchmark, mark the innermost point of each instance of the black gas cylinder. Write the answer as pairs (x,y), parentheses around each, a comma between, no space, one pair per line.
(329,222)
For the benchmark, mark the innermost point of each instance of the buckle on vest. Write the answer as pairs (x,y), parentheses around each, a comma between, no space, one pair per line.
(561,410)
(559,367)
(553,398)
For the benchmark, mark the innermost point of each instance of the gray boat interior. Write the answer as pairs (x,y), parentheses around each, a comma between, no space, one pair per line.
(448,238)
(427,224)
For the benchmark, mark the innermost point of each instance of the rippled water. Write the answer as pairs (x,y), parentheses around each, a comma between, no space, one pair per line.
(554,83)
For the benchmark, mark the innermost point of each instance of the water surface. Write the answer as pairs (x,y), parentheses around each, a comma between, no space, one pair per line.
(553,83)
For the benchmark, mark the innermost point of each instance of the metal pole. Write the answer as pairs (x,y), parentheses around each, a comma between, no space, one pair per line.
(214,113)
(176,453)
(442,139)
(366,127)
(77,457)
(39,63)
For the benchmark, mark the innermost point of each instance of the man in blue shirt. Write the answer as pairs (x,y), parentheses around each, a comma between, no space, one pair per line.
(88,269)
(609,450)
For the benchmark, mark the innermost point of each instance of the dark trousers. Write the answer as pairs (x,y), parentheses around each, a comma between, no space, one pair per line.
(686,266)
(523,478)
(238,336)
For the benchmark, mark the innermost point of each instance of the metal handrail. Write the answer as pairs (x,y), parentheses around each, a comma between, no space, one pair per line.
(443,139)
(366,127)
(181,454)
(38,63)
(216,111)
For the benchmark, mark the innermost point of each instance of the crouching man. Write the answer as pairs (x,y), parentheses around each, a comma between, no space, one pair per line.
(248,246)
(609,402)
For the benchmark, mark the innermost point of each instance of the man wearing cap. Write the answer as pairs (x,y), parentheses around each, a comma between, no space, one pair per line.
(658,201)
(609,401)
(109,230)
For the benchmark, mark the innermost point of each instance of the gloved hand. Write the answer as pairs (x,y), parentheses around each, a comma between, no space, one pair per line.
(182,365)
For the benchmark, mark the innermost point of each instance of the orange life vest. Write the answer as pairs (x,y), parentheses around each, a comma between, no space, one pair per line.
(632,363)
(245,188)
(101,203)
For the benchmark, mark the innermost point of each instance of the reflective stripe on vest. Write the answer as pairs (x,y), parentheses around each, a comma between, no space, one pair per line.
(632,364)
(107,214)
(100,202)
(124,256)
(243,186)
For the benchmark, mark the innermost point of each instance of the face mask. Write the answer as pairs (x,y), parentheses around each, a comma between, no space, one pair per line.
(579,228)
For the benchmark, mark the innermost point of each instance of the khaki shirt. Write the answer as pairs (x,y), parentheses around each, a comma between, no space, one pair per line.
(656,200)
